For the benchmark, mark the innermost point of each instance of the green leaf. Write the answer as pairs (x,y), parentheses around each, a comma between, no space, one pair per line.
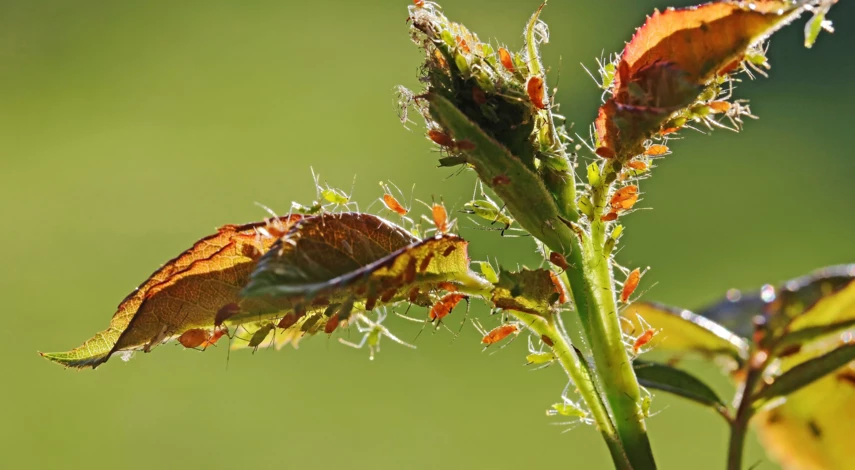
(683,331)
(807,372)
(832,313)
(678,382)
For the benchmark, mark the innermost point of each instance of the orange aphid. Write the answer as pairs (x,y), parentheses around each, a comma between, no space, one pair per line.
(225,312)
(611,216)
(413,295)
(499,333)
(505,59)
(464,145)
(440,138)
(193,338)
(388,295)
(440,59)
(478,96)
(447,286)
(559,287)
(463,45)
(212,340)
(605,152)
(440,218)
(656,150)
(444,306)
(536,93)
(719,106)
(624,198)
(630,284)
(332,324)
(669,130)
(419,3)
(393,205)
(558,259)
(637,165)
(643,339)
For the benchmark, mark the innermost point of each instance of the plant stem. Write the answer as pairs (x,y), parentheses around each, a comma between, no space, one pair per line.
(744,412)
(578,372)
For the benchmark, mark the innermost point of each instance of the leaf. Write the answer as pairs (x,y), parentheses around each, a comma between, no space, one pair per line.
(349,255)
(833,312)
(683,331)
(529,291)
(672,57)
(678,382)
(807,372)
(813,427)
(186,293)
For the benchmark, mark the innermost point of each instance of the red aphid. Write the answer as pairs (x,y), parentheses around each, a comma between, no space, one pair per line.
(605,152)
(419,3)
(447,286)
(413,295)
(499,333)
(643,340)
(440,218)
(478,96)
(332,324)
(440,138)
(393,205)
(371,301)
(611,216)
(225,312)
(505,59)
(536,93)
(464,145)
(288,321)
(558,259)
(444,306)
(463,45)
(215,336)
(388,295)
(630,284)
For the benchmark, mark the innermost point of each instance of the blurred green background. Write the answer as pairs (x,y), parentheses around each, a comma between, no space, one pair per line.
(130,129)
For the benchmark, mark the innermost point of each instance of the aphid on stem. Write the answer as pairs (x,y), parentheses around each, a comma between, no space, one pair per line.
(630,285)
(498,333)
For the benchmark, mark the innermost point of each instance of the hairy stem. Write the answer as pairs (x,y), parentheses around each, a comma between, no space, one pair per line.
(578,372)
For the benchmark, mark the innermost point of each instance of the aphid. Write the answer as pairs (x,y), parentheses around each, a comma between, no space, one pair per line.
(157,338)
(559,287)
(413,295)
(630,284)
(499,333)
(644,338)
(506,60)
(444,306)
(624,198)
(611,216)
(419,3)
(487,209)
(539,356)
(605,152)
(447,286)
(478,96)
(315,208)
(332,324)
(558,259)
(259,336)
(388,295)
(225,312)
(410,271)
(193,338)
(464,145)
(440,138)
(391,203)
(287,321)
(637,165)
(488,272)
(568,408)
(535,89)
(547,340)
(656,150)
(719,106)
(463,45)
(440,218)
(373,332)
(333,196)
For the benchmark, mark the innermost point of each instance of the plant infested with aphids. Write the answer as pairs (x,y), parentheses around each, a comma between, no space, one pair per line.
(327,267)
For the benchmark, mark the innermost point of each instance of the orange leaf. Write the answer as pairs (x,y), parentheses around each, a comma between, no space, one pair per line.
(185,294)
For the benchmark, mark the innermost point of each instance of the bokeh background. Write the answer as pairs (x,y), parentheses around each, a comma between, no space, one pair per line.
(130,129)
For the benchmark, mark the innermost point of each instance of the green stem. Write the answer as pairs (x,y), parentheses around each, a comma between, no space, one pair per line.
(578,372)
(744,412)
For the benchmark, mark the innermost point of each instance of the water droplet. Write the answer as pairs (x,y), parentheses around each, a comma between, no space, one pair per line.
(767,293)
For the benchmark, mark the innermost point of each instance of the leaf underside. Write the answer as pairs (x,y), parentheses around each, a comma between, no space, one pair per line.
(678,382)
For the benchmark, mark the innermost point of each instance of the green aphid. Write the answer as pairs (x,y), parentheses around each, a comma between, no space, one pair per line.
(586,206)
(447,38)
(617,232)
(540,358)
(309,325)
(645,406)
(488,272)
(462,64)
(568,408)
(608,247)
(315,208)
(607,73)
(489,55)
(260,335)
(488,210)
(335,196)
(594,174)
(813,27)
